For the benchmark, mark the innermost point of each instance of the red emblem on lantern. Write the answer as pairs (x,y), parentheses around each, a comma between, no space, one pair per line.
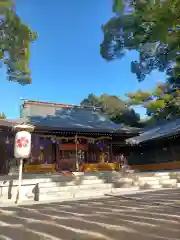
(22,142)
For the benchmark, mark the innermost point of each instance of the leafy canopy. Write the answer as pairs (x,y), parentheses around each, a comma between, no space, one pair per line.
(158,104)
(2,115)
(15,40)
(114,108)
(152,27)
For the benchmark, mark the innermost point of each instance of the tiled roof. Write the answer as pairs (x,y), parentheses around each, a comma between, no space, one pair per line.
(69,117)
(11,122)
(169,128)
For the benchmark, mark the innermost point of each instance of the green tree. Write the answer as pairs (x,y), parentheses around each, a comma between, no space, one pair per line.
(151,27)
(15,40)
(114,108)
(2,115)
(92,100)
(158,104)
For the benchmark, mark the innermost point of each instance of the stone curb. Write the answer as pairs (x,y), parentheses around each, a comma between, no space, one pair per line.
(124,194)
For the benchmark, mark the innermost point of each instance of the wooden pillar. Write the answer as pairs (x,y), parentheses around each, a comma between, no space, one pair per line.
(86,152)
(36,151)
(173,152)
(111,154)
(58,156)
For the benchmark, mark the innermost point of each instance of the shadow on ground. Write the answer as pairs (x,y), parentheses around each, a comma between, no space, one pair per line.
(104,219)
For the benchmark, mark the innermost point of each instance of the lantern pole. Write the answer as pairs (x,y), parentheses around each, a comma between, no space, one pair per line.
(77,162)
(18,128)
(20,180)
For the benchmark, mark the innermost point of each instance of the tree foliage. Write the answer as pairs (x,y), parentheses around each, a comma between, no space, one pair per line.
(2,115)
(115,109)
(158,104)
(15,40)
(152,27)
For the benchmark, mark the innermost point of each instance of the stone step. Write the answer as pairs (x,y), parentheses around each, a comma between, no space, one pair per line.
(76,182)
(160,174)
(101,173)
(178,179)
(52,182)
(89,177)
(147,178)
(52,190)
(123,190)
(147,186)
(92,193)
(124,180)
(88,182)
(7,191)
(147,174)
(168,183)
(58,196)
(26,191)
(149,182)
(98,187)
(73,195)
(13,197)
(33,181)
(123,185)
(60,199)
(55,184)
(83,193)
(165,177)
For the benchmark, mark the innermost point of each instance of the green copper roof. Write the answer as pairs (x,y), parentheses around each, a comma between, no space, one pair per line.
(71,118)
(168,128)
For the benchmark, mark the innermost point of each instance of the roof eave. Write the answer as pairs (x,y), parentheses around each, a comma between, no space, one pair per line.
(63,129)
(76,129)
(11,123)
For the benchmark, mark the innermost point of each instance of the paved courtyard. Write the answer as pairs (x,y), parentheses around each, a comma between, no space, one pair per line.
(146,216)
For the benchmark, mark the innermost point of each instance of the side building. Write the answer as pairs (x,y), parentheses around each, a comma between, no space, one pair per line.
(157,148)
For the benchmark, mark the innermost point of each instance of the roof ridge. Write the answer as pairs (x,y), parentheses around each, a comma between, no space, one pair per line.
(53,104)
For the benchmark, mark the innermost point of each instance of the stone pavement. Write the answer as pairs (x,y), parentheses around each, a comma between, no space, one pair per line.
(142,216)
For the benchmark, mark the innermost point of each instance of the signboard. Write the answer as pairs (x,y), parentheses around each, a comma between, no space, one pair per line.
(22,144)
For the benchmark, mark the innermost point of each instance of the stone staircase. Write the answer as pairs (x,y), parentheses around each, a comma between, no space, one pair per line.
(57,187)
(156,180)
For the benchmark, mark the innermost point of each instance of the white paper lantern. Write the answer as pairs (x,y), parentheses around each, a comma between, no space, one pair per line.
(22,144)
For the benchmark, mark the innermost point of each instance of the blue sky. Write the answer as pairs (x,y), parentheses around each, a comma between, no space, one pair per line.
(66,64)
